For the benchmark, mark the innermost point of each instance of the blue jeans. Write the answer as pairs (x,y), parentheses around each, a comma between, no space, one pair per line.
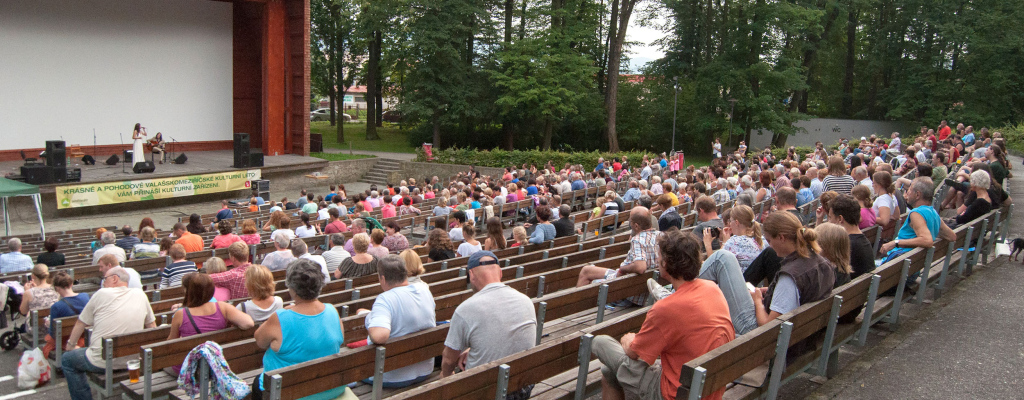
(722,268)
(75,365)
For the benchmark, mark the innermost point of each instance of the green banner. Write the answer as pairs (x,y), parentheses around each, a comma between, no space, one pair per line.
(96,194)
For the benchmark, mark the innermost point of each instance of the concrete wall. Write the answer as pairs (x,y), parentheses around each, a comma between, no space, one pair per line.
(828,131)
(421,170)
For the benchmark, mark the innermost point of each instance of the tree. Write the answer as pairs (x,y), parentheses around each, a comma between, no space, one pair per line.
(616,37)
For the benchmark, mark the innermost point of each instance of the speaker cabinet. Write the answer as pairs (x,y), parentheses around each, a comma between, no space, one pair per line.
(181,159)
(241,145)
(143,167)
(113,160)
(60,174)
(256,158)
(37,174)
(261,185)
(56,154)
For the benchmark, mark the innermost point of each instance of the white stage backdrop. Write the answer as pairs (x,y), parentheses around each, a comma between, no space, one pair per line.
(68,67)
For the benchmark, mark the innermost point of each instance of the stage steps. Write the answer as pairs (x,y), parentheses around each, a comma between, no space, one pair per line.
(380,171)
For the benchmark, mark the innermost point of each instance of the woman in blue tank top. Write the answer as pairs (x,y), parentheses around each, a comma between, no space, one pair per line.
(305,331)
(919,196)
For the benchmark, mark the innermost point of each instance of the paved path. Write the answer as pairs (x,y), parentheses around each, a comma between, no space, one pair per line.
(381,154)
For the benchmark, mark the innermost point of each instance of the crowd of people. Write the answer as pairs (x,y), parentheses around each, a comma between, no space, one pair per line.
(790,256)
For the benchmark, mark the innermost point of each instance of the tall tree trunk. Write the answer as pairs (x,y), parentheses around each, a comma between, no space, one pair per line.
(613,22)
(614,59)
(339,54)
(812,43)
(379,94)
(846,108)
(602,58)
(522,21)
(506,126)
(331,94)
(372,70)
(548,128)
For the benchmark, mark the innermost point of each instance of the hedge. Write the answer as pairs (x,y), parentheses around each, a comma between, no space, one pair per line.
(500,158)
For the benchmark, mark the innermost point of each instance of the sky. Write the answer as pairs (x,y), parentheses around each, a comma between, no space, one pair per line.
(643,51)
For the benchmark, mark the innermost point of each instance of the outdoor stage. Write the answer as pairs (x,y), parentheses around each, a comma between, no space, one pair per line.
(201,162)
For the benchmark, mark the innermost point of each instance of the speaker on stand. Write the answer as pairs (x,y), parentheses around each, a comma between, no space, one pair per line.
(56,154)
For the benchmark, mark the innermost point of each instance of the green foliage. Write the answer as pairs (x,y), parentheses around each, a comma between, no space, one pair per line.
(1014,136)
(503,158)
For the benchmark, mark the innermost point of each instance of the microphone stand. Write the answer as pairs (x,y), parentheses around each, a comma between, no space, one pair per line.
(173,143)
(122,153)
(94,154)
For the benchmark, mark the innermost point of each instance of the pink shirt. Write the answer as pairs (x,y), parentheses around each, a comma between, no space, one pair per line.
(387,211)
(222,241)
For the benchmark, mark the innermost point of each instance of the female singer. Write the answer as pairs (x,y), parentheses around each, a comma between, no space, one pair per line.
(138,153)
(157,143)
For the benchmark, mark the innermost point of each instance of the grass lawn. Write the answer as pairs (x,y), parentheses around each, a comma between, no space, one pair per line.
(391,140)
(339,157)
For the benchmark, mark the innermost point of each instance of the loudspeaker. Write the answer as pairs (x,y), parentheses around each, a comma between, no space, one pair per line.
(129,156)
(241,141)
(74,175)
(264,195)
(113,160)
(181,159)
(56,155)
(60,174)
(37,174)
(256,158)
(88,160)
(144,167)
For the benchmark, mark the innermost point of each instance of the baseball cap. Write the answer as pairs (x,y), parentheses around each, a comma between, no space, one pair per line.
(862,138)
(474,260)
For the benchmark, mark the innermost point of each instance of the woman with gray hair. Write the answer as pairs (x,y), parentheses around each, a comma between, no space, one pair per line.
(307,330)
(977,205)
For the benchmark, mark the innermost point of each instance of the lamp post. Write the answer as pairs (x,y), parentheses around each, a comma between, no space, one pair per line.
(675,107)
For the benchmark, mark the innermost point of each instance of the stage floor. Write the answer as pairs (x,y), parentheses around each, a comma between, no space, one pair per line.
(201,162)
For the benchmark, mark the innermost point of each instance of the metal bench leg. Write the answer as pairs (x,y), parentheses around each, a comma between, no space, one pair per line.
(583,357)
(941,285)
(602,300)
(977,248)
(779,363)
(697,383)
(923,287)
(147,374)
(869,311)
(829,357)
(897,303)
(541,310)
(378,373)
(204,379)
(965,252)
(275,387)
(502,390)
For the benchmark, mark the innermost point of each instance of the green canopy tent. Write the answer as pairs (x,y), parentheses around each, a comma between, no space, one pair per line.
(8,189)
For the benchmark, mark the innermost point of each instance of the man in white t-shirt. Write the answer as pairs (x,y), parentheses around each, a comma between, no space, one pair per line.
(402,309)
(278,260)
(109,247)
(115,309)
(300,250)
(109,261)
(337,252)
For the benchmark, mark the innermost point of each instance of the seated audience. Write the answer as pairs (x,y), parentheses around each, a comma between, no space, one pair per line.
(226,236)
(307,229)
(199,314)
(495,235)
(922,226)
(477,334)
(113,310)
(171,275)
(520,237)
(216,265)
(544,230)
(401,309)
(234,279)
(361,263)
(377,248)
(108,239)
(39,293)
(51,257)
(336,254)
(109,261)
(642,255)
(279,259)
(305,331)
(259,282)
(301,250)
(70,304)
(867,214)
(439,246)
(743,237)
(250,235)
(395,240)
(191,241)
(128,241)
(470,245)
(629,365)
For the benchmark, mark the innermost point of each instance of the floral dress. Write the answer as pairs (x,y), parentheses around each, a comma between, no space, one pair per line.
(745,248)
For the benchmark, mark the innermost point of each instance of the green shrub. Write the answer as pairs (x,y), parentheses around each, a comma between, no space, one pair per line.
(1014,136)
(503,158)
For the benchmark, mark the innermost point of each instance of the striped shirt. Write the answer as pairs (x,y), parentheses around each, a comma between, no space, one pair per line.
(839,184)
(172,274)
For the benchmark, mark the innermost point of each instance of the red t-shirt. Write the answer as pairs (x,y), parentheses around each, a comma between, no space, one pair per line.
(702,306)
(944,132)
(935,143)
(335,227)
(616,167)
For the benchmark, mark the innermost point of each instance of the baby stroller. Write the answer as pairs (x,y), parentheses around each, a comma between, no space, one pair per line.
(10,302)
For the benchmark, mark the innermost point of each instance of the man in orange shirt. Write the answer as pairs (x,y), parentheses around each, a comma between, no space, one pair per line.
(944,130)
(647,364)
(190,241)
